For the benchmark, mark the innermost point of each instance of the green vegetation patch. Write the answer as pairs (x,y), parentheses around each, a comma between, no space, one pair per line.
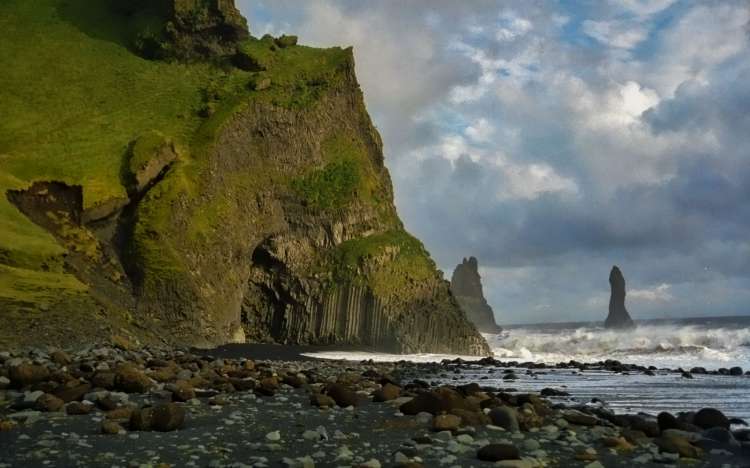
(298,75)
(22,286)
(333,186)
(347,175)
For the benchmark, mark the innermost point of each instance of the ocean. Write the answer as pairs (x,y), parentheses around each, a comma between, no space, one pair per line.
(712,343)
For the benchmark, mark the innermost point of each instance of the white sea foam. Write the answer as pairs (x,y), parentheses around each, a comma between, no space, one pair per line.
(659,345)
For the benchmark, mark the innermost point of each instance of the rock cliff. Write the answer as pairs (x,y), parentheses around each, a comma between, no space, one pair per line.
(466,285)
(618,315)
(247,203)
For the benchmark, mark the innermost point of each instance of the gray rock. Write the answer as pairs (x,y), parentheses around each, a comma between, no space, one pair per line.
(505,417)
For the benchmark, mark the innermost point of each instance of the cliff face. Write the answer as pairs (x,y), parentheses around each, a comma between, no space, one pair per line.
(466,285)
(266,216)
(618,315)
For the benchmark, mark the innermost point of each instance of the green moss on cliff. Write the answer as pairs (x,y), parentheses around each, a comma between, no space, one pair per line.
(391,262)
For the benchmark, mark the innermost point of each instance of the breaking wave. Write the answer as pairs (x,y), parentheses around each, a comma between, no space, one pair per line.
(660,345)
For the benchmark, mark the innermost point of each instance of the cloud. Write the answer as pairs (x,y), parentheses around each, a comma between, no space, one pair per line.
(552,140)
(620,34)
(660,293)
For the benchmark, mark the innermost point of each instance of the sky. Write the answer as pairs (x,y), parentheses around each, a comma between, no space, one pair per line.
(554,139)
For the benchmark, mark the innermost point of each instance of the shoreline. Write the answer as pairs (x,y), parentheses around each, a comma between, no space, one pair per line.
(269,412)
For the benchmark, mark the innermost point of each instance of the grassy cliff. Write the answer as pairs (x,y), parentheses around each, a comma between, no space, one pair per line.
(144,159)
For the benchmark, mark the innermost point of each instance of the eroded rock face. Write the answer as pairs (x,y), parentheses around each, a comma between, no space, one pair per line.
(466,285)
(618,315)
(206,28)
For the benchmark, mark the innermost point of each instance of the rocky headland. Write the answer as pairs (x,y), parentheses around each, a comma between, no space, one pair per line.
(618,317)
(466,286)
(199,186)
(156,407)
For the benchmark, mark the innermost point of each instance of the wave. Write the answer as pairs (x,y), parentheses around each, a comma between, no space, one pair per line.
(660,344)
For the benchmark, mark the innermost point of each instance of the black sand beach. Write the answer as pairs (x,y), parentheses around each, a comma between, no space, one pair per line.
(234,406)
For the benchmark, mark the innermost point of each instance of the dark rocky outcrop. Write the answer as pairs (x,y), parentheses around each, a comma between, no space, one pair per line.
(191,30)
(466,286)
(618,315)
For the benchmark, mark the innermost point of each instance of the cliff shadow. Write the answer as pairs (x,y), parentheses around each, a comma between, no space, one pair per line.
(117,21)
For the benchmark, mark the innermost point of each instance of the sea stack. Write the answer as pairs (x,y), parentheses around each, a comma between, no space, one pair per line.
(466,285)
(618,315)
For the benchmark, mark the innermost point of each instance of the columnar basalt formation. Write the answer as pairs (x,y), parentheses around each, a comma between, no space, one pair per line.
(618,315)
(466,285)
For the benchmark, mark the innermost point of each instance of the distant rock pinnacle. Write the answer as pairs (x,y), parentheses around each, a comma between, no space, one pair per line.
(466,285)
(618,315)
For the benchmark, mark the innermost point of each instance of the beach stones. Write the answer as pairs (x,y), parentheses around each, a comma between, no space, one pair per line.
(27,374)
(162,418)
(76,408)
(141,419)
(61,358)
(679,445)
(49,403)
(446,422)
(637,423)
(131,380)
(103,379)
(386,393)
(111,427)
(7,425)
(322,401)
(580,418)
(618,443)
(342,395)
(710,417)
(505,417)
(182,391)
(427,402)
(667,421)
(74,392)
(167,417)
(498,452)
(552,392)
(440,400)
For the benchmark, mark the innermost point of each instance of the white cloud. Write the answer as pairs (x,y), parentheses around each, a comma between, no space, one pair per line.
(533,180)
(643,7)
(512,26)
(620,34)
(480,131)
(660,293)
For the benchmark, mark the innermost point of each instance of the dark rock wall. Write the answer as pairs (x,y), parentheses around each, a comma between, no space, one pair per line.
(466,285)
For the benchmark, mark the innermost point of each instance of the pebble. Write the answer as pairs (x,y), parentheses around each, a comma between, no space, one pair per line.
(399,458)
(371,463)
(443,435)
(531,445)
(274,436)
(344,453)
(311,435)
